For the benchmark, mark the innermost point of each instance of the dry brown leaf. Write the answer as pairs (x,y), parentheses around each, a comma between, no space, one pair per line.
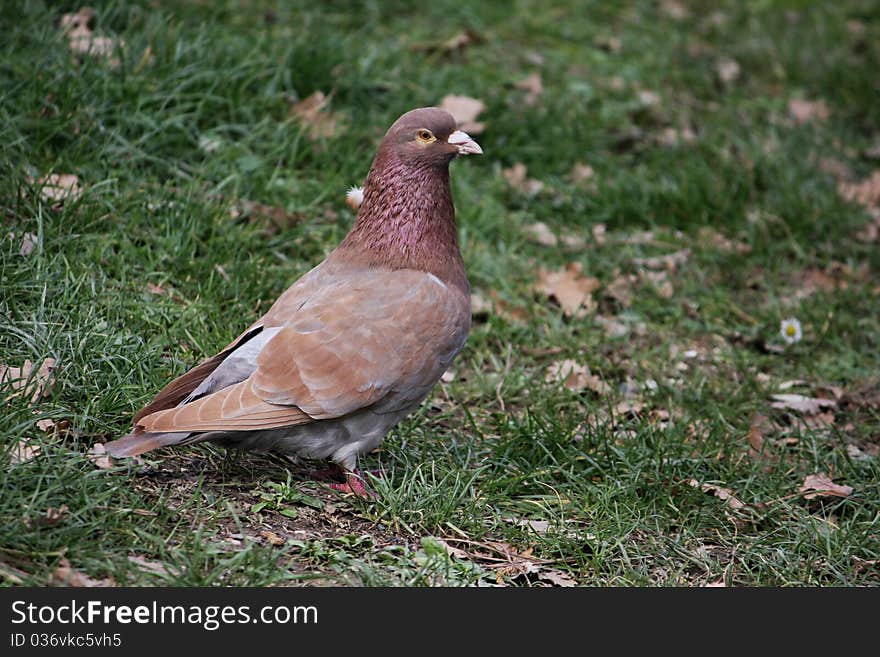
(540,232)
(675,10)
(712,237)
(609,43)
(271,537)
(676,136)
(24,381)
(621,289)
(556,577)
(569,288)
(65,575)
(146,565)
(56,427)
(505,560)
(28,244)
(98,455)
(720,492)
(613,327)
(575,377)
(820,485)
(51,516)
(83,41)
(648,98)
(670,261)
(59,187)
(801,403)
(152,288)
(517,177)
(581,172)
(805,111)
(756,433)
(866,192)
(659,280)
(533,86)
(728,69)
(465,110)
(23,452)
(314,115)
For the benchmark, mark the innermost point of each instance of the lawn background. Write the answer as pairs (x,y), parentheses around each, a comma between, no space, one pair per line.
(188,155)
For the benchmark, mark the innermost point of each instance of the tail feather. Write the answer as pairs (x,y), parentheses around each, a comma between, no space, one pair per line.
(140,442)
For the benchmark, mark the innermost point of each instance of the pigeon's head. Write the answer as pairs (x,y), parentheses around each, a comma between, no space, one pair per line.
(429,136)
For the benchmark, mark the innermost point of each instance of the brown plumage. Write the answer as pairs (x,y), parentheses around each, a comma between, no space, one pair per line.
(355,344)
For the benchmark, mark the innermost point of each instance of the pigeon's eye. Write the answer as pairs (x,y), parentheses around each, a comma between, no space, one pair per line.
(425,136)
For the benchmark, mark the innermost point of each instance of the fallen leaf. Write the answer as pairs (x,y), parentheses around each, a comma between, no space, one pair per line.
(720,492)
(866,192)
(569,288)
(23,452)
(648,98)
(540,232)
(728,69)
(820,485)
(152,288)
(533,86)
(537,526)
(675,136)
(806,111)
(621,289)
(659,280)
(756,433)
(145,565)
(55,427)
(313,115)
(465,110)
(517,177)
(51,516)
(717,240)
(670,261)
(59,187)
(609,43)
(801,403)
(581,172)
(675,10)
(556,577)
(613,327)
(28,244)
(271,537)
(81,39)
(27,382)
(575,377)
(98,455)
(65,575)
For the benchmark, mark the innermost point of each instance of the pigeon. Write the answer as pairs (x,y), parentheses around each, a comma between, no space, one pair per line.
(355,344)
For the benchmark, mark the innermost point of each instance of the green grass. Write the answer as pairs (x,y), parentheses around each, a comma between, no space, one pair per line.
(607,492)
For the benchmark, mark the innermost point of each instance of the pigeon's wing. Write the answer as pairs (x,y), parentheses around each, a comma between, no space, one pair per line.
(355,341)
(184,385)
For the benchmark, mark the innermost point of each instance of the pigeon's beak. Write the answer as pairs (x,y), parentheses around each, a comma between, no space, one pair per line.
(466,145)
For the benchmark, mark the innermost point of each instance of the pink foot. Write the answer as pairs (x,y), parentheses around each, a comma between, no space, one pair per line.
(355,485)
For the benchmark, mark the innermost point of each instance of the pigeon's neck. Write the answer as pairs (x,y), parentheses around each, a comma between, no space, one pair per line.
(407,221)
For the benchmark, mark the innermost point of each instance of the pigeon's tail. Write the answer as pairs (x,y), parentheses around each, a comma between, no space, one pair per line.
(140,442)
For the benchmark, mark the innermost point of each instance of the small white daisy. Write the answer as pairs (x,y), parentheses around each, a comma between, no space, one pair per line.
(354,197)
(790,330)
